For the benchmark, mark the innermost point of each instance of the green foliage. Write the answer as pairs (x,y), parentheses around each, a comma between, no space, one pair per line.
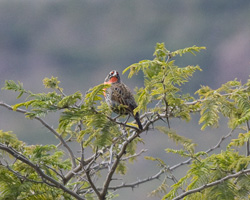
(94,93)
(241,140)
(22,182)
(17,87)
(187,50)
(10,139)
(70,100)
(86,121)
(212,168)
(162,81)
(187,143)
(13,188)
(51,83)
(210,114)
(160,162)
(41,154)
(230,100)
(121,168)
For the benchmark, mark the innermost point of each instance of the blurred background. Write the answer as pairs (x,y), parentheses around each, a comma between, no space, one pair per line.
(81,41)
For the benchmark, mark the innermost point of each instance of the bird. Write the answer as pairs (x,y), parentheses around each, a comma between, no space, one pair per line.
(119,97)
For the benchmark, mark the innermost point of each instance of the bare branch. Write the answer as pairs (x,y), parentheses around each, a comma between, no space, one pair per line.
(138,182)
(116,162)
(79,167)
(134,155)
(170,169)
(48,127)
(46,179)
(92,184)
(106,164)
(72,172)
(199,189)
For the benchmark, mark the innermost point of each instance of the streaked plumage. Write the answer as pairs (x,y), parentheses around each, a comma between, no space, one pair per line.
(119,97)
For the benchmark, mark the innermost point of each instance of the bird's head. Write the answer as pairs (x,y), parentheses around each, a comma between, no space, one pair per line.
(113,77)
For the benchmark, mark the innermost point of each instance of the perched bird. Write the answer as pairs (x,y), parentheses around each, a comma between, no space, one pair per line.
(119,97)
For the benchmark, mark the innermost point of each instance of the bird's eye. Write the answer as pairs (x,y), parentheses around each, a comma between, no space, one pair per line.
(112,72)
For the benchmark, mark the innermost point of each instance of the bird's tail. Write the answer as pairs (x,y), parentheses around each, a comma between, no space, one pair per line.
(137,119)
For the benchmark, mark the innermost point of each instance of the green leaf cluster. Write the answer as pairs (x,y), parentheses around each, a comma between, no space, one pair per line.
(20,181)
(242,139)
(210,169)
(42,103)
(230,100)
(51,82)
(162,82)
(10,139)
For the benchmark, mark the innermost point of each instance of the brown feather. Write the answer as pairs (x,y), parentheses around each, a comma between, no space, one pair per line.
(119,97)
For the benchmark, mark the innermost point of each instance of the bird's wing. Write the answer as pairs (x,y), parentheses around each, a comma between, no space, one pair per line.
(122,94)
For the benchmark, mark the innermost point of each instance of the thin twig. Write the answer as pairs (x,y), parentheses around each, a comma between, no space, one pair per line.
(48,127)
(138,182)
(134,155)
(110,157)
(61,91)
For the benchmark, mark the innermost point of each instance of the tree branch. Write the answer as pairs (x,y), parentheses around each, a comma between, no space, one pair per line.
(199,189)
(60,175)
(87,172)
(248,142)
(138,182)
(78,168)
(105,164)
(92,184)
(21,177)
(48,127)
(158,174)
(39,171)
(134,155)
(116,162)
(121,123)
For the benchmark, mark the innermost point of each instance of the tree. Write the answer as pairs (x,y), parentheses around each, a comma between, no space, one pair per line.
(52,172)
